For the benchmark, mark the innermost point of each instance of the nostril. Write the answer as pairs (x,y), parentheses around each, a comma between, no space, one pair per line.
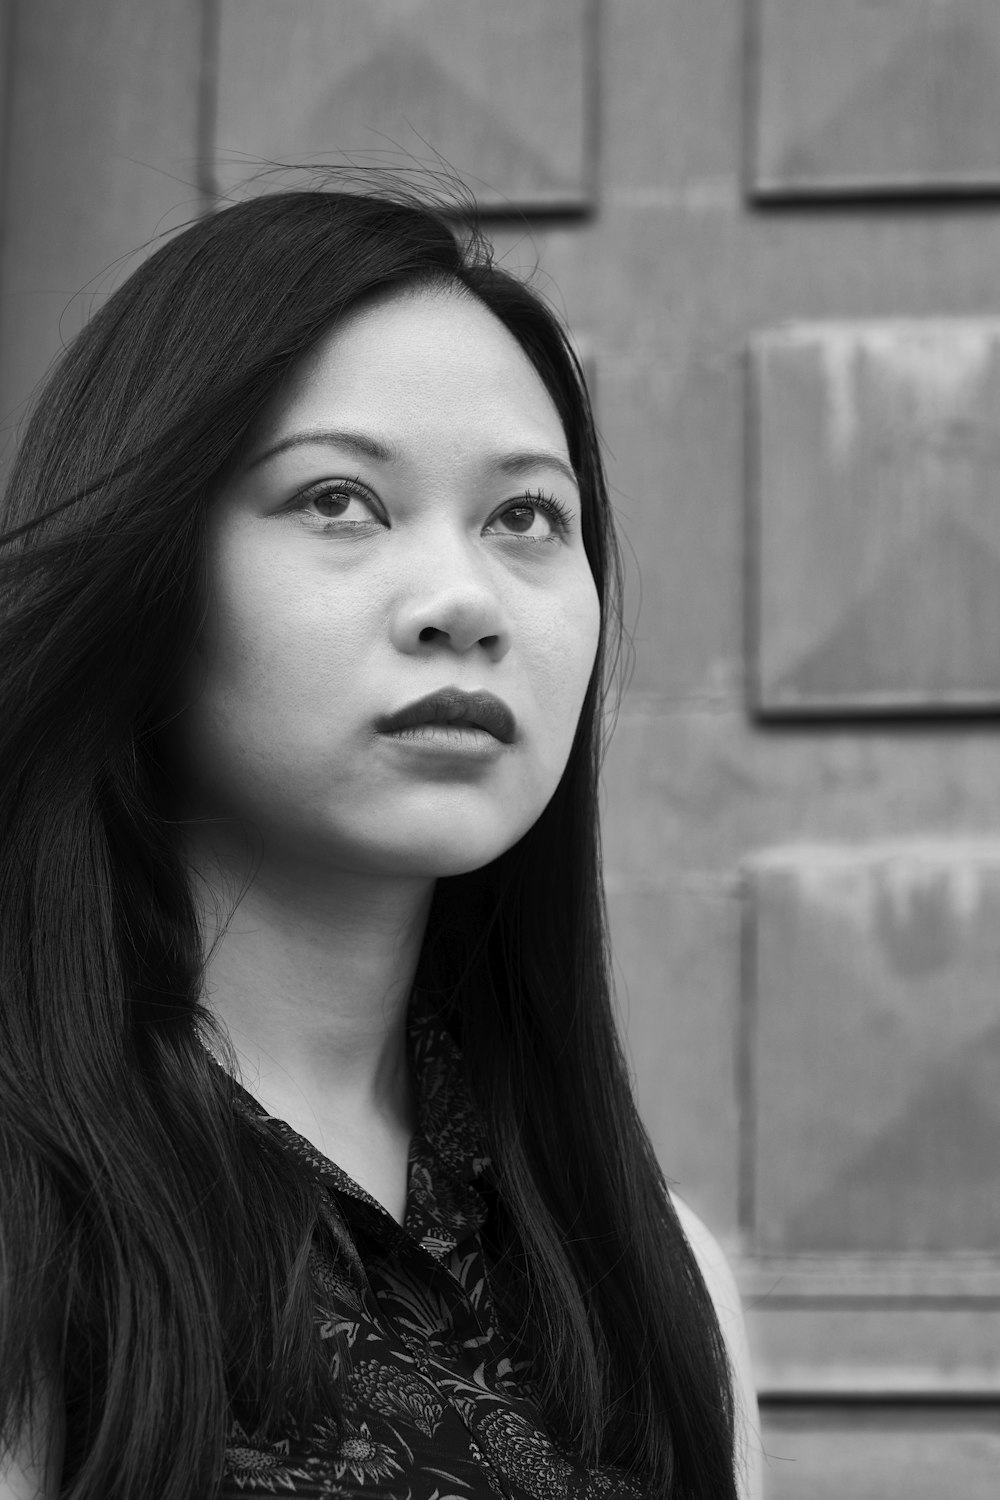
(431,633)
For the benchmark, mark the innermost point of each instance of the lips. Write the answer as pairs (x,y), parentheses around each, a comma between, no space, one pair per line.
(452,706)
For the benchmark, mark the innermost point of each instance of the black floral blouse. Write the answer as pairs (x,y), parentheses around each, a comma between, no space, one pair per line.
(436,1409)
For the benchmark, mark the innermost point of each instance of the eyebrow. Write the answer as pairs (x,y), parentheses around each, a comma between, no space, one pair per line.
(524,463)
(368,447)
(355,442)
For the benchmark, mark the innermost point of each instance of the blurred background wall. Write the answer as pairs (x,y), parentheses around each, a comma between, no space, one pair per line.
(774,230)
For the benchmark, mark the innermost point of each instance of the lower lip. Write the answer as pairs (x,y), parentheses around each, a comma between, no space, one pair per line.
(448,739)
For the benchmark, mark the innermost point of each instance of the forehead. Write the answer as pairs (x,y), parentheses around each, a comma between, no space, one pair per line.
(431,364)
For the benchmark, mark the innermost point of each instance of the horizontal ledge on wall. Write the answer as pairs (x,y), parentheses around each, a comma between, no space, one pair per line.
(789,1280)
(776,193)
(857,1352)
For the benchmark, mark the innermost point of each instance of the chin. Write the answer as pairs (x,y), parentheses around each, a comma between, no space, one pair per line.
(442,860)
(439,852)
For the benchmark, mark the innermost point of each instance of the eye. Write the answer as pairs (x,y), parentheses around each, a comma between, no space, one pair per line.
(536,517)
(341,503)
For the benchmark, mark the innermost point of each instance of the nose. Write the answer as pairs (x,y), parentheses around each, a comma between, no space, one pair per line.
(451,603)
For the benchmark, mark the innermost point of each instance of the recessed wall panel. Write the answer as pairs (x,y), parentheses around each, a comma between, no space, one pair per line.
(499,94)
(875,532)
(875,1048)
(876,96)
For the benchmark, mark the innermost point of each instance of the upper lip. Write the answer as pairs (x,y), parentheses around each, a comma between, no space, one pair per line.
(453,706)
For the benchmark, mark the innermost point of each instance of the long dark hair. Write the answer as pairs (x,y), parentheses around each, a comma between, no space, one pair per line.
(121,1153)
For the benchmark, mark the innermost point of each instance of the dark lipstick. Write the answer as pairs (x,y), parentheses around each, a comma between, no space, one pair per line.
(452,706)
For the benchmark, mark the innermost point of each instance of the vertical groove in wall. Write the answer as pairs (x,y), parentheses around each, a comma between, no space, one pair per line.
(593,105)
(751,517)
(8,38)
(208,103)
(8,47)
(751,93)
(746,1030)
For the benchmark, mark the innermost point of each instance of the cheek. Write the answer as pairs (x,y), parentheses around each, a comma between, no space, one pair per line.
(567,648)
(275,644)
(250,693)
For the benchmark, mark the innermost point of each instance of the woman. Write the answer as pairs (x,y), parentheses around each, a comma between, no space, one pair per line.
(309,587)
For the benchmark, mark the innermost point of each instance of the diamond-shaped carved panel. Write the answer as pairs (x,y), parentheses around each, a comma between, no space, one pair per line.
(877,96)
(499,94)
(875,528)
(874,1038)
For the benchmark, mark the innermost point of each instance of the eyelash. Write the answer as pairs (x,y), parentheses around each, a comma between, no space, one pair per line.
(553,508)
(352,487)
(560,515)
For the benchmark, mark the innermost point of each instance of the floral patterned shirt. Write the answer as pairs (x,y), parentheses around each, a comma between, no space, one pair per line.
(436,1409)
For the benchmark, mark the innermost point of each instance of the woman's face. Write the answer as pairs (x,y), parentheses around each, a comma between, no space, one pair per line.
(405,530)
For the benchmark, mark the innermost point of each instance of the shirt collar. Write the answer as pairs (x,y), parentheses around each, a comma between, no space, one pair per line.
(448,1153)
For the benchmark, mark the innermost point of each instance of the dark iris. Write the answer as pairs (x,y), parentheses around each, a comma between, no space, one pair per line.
(520,517)
(332,505)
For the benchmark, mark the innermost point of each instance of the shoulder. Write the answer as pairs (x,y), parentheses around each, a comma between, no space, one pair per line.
(721,1283)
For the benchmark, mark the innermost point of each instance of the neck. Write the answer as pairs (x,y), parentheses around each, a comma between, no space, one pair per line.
(311,970)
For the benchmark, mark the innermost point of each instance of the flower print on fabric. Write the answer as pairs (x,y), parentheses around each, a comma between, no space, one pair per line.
(399,1394)
(360,1458)
(520,1450)
(433,1407)
(262,1466)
